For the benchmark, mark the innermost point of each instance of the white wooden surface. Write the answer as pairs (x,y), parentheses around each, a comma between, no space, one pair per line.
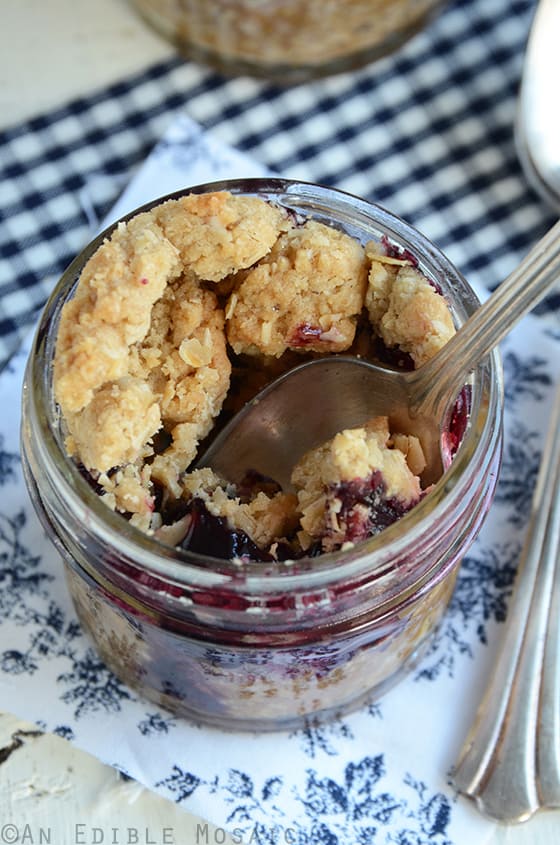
(52,793)
(50,51)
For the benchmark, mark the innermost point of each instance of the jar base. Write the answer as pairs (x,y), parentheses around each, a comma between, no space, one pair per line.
(130,673)
(293,723)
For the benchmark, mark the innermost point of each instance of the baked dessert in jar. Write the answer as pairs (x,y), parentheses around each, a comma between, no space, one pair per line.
(287,40)
(243,605)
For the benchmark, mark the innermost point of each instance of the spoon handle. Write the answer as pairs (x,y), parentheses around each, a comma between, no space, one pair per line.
(510,762)
(444,375)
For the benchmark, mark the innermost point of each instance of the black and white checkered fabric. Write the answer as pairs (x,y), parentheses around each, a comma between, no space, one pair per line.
(428,133)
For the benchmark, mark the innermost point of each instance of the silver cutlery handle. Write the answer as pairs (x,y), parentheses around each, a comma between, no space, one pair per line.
(510,762)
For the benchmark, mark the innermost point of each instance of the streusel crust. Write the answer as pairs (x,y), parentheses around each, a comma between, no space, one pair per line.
(217,234)
(305,295)
(144,359)
(405,309)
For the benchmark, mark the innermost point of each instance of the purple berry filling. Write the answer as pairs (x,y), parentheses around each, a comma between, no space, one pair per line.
(363,508)
(305,335)
(86,474)
(458,420)
(392,356)
(394,251)
(212,535)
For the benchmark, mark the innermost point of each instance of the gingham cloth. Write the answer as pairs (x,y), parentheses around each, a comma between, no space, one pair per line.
(427,133)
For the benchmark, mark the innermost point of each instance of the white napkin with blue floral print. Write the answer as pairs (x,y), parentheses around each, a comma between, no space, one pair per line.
(377,776)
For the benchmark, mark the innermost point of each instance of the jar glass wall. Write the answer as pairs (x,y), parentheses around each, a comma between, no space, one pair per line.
(287,40)
(265,644)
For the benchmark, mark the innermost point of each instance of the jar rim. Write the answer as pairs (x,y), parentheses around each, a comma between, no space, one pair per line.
(358,215)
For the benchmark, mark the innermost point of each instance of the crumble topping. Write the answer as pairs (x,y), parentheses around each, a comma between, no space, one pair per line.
(179,297)
(114,428)
(305,295)
(211,235)
(111,310)
(404,308)
(217,234)
(185,362)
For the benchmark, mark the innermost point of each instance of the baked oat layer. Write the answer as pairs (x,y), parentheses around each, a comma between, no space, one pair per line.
(404,308)
(177,295)
(208,236)
(306,295)
(141,347)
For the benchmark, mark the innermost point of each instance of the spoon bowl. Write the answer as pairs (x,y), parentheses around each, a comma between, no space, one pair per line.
(537,124)
(310,403)
(300,410)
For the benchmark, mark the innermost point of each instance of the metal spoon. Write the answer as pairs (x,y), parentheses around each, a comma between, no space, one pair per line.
(309,404)
(537,130)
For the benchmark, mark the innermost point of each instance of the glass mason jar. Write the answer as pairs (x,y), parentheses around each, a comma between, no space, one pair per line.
(265,645)
(287,40)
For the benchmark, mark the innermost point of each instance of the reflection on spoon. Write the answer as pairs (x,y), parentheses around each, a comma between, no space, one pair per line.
(537,130)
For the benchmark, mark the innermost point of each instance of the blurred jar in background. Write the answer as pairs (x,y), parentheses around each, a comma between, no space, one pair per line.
(287,40)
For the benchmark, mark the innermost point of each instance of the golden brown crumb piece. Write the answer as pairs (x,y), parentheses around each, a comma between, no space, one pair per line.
(218,234)
(211,235)
(185,362)
(404,308)
(111,309)
(304,295)
(128,490)
(114,428)
(177,379)
(141,346)
(353,486)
